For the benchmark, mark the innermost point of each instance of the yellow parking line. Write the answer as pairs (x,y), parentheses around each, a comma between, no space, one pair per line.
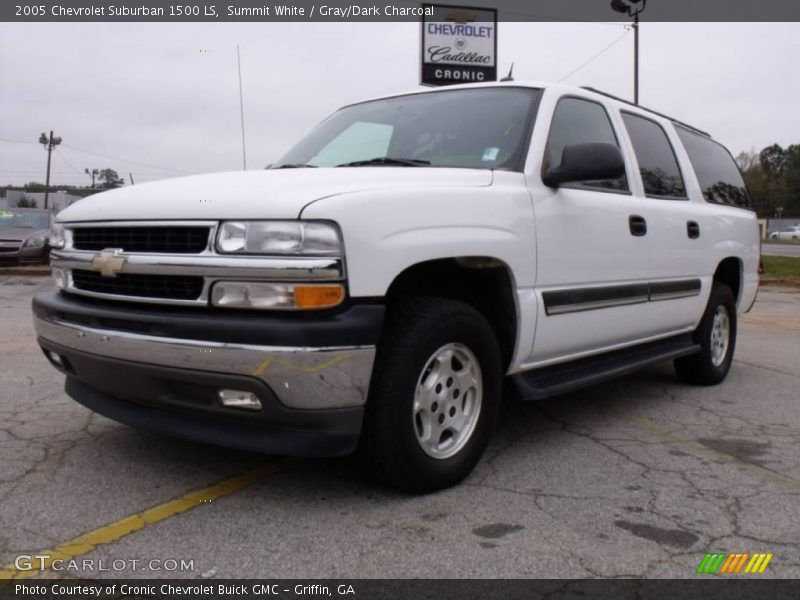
(83,544)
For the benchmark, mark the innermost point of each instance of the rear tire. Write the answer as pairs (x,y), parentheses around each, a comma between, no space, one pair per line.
(716,336)
(434,397)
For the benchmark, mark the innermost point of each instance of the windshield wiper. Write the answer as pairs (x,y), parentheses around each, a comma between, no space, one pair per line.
(387,160)
(296,166)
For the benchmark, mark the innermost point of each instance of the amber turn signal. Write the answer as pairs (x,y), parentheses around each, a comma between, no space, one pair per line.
(318,296)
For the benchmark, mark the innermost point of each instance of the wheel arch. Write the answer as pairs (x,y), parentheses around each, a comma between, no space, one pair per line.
(485,283)
(729,272)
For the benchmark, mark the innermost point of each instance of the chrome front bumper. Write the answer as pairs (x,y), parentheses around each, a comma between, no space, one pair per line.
(301,378)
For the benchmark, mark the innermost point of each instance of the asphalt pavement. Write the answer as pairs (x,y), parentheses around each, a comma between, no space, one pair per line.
(638,477)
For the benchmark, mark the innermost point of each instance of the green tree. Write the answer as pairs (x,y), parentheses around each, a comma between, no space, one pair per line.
(773,159)
(109,178)
(773,179)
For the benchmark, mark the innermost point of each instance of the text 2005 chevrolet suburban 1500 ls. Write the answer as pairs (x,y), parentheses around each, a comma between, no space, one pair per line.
(373,288)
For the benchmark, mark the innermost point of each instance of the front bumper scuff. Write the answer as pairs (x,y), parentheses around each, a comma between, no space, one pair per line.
(301,378)
(312,395)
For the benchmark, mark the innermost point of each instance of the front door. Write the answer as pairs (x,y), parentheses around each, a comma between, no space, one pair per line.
(593,251)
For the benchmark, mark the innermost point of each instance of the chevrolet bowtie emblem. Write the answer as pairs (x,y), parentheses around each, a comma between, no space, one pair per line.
(109,262)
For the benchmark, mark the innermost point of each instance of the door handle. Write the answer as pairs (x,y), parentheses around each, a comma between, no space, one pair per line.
(638,225)
(692,230)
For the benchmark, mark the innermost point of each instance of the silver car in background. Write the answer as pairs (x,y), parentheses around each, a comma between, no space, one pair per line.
(790,233)
(24,235)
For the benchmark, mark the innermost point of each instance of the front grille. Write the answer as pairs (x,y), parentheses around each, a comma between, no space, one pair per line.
(171,287)
(171,240)
(10,245)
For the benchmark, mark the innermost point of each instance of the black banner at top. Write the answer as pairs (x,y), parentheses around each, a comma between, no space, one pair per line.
(385,10)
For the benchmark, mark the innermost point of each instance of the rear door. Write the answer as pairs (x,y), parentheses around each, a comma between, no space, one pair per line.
(675,225)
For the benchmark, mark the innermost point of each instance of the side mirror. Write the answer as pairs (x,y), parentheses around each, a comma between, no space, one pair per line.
(586,162)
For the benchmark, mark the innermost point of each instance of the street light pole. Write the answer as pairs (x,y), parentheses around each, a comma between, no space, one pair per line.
(627,7)
(49,145)
(93,173)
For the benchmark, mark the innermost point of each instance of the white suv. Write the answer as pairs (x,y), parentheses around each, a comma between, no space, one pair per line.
(374,288)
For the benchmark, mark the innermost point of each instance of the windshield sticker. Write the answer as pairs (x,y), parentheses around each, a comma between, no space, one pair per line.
(490,154)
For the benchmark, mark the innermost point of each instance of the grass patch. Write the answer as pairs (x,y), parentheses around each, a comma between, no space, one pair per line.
(781,269)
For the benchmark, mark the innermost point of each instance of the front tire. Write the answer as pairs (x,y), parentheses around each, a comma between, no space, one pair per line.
(434,396)
(716,336)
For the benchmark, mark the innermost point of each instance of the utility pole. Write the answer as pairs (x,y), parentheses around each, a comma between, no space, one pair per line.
(94,173)
(627,7)
(49,145)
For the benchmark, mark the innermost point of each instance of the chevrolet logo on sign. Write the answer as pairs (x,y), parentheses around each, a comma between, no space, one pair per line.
(109,262)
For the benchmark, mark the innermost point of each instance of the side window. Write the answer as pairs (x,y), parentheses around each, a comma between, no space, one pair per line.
(579,121)
(715,168)
(658,166)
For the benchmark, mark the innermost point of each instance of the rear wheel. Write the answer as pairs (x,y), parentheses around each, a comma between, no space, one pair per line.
(716,336)
(434,396)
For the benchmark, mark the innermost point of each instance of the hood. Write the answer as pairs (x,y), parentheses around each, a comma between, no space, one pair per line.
(272,194)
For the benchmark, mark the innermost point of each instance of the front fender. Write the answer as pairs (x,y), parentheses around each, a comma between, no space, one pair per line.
(387,231)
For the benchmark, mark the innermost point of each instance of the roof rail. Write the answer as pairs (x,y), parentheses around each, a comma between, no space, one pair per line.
(676,121)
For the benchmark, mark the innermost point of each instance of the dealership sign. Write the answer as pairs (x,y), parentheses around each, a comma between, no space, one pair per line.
(459,45)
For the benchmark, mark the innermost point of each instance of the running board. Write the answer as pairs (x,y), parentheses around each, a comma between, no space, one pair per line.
(558,379)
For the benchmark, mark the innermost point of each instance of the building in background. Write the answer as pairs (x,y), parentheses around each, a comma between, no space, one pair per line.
(58,200)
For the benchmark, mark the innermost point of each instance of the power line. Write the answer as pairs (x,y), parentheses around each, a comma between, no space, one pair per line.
(125,160)
(64,158)
(16,141)
(571,73)
(133,162)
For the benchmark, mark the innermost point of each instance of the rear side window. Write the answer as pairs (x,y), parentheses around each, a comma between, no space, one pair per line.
(715,168)
(658,166)
(579,121)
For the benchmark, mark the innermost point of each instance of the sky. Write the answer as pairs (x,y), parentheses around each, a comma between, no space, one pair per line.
(159,100)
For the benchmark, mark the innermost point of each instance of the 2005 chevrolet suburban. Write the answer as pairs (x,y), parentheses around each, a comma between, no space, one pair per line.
(373,288)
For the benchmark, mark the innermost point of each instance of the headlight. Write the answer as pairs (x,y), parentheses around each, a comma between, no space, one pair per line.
(57,239)
(305,238)
(35,242)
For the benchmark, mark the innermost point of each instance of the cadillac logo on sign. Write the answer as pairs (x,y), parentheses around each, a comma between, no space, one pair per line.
(459,45)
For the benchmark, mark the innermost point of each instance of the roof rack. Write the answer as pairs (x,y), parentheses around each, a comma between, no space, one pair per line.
(676,121)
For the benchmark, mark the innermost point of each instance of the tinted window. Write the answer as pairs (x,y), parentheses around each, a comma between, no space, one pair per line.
(716,171)
(578,121)
(658,166)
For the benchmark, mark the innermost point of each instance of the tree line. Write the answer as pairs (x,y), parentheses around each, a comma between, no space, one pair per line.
(773,180)
(106,179)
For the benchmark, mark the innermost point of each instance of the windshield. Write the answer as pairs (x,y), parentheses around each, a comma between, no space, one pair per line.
(484,128)
(25,220)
